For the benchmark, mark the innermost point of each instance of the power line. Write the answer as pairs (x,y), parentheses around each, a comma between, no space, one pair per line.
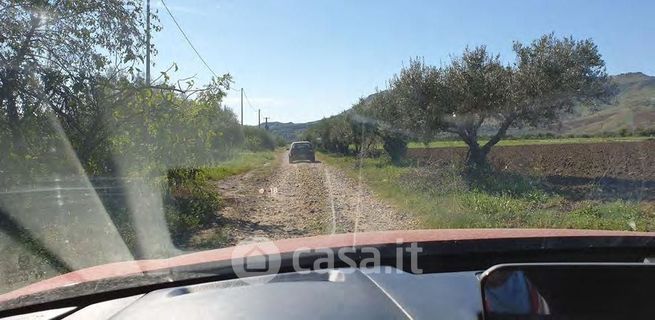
(204,62)
(187,39)
(248,101)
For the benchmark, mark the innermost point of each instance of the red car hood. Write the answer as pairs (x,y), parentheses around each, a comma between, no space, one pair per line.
(125,268)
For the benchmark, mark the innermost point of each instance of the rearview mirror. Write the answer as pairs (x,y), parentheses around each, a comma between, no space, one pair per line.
(568,291)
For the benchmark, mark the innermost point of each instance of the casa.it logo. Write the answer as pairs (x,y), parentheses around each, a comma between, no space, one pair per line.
(254,258)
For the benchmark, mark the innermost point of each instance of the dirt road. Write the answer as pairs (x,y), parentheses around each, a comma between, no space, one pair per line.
(301,199)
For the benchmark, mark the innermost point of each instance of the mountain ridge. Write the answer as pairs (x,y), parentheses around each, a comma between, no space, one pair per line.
(632,110)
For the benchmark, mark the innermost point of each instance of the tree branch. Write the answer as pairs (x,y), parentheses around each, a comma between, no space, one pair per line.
(509,119)
(478,123)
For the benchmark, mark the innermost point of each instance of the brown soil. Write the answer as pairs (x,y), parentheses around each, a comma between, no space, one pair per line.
(623,160)
(624,170)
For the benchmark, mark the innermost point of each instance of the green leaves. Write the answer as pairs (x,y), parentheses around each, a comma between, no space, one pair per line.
(169,129)
(52,52)
(474,90)
(549,76)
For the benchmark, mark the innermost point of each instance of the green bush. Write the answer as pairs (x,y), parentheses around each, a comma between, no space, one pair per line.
(395,146)
(257,139)
(190,202)
(624,132)
(280,141)
(333,134)
(645,132)
(184,176)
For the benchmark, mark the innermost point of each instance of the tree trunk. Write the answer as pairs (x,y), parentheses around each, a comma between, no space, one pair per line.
(396,147)
(476,159)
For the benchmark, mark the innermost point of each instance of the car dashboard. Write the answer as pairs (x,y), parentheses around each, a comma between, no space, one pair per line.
(575,275)
(353,293)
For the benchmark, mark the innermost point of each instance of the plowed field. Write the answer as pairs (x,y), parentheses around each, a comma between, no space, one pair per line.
(620,169)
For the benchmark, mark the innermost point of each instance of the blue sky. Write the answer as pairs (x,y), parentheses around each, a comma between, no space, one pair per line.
(301,60)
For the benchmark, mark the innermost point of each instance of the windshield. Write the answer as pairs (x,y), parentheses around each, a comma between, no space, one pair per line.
(301,146)
(137,130)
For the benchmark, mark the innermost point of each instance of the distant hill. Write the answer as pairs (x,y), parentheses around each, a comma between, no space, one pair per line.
(289,131)
(633,109)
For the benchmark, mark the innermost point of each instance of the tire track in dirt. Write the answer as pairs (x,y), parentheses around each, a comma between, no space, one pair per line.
(299,199)
(358,209)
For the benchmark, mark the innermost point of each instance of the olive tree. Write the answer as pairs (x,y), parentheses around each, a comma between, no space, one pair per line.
(363,126)
(548,78)
(391,123)
(49,49)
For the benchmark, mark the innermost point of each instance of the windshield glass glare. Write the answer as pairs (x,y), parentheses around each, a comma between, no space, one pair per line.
(134,130)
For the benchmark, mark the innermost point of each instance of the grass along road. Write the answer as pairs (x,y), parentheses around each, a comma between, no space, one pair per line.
(440,198)
(244,162)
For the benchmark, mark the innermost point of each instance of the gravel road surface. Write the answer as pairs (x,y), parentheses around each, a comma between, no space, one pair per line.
(288,200)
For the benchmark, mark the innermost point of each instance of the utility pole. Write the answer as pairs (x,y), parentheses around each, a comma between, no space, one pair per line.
(242,107)
(148,43)
(259,117)
(266,125)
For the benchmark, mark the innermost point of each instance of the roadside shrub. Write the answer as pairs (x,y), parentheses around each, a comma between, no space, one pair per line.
(396,147)
(280,141)
(190,202)
(257,139)
(184,176)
